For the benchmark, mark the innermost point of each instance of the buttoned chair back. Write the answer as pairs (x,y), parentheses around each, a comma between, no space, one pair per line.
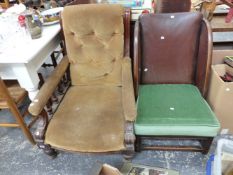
(171,72)
(95,49)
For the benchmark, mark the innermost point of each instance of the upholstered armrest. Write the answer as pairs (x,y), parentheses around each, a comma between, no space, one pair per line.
(48,88)
(128,98)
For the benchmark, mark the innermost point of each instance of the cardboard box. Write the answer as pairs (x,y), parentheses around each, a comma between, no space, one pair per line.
(220,96)
(129,168)
(227,163)
(104,169)
(218,56)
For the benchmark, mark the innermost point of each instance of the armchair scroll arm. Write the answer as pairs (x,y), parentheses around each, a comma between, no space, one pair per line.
(129,107)
(128,99)
(48,88)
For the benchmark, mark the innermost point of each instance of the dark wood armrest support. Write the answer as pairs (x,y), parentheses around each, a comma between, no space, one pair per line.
(129,107)
(129,140)
(48,88)
(41,128)
(40,135)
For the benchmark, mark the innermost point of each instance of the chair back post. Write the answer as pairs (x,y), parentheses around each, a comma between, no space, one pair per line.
(127,32)
(204,58)
(137,58)
(209,58)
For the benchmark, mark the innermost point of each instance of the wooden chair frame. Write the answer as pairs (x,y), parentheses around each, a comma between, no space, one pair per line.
(205,142)
(12,106)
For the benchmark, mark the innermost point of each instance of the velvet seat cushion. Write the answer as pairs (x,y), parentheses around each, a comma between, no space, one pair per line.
(174,109)
(89,119)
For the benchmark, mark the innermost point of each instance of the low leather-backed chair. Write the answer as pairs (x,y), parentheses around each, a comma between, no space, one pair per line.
(98,110)
(171,73)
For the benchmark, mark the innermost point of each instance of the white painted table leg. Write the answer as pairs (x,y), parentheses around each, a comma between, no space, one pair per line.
(28,78)
(32,93)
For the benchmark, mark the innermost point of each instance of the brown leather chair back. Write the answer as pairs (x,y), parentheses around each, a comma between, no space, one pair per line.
(173,49)
(172,6)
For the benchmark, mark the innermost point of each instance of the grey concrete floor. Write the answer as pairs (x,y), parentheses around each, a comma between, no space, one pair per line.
(19,157)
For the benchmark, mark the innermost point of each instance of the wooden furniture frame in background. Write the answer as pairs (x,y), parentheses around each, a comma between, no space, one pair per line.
(8,101)
(4,3)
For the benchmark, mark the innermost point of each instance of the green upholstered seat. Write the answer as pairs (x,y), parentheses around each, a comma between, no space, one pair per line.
(174,109)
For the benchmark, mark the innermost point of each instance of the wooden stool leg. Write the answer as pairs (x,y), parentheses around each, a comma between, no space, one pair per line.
(206,145)
(22,124)
(138,144)
(50,151)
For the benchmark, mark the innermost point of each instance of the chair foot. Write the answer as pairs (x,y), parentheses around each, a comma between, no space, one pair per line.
(138,144)
(206,145)
(39,135)
(128,154)
(52,153)
(129,141)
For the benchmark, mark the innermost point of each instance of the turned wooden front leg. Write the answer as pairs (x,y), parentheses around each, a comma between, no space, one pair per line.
(40,135)
(129,140)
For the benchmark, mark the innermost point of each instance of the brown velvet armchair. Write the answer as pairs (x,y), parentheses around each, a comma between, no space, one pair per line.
(171,72)
(98,110)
